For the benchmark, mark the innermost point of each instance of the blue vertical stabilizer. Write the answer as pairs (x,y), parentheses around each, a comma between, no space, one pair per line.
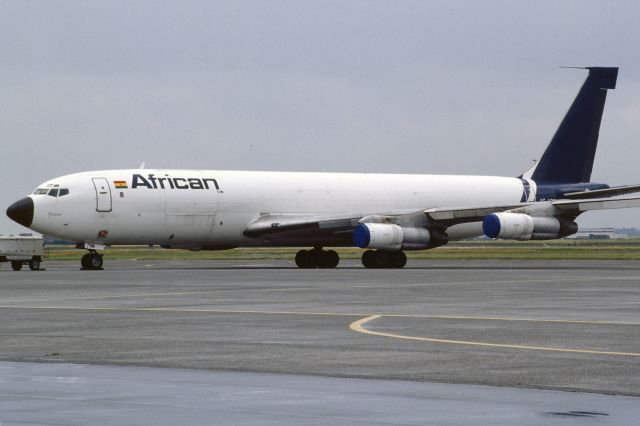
(569,156)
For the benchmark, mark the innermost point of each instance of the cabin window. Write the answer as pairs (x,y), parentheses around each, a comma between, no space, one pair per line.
(63,192)
(53,192)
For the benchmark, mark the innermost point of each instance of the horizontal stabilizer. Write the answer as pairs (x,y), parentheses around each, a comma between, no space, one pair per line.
(579,206)
(607,192)
(605,76)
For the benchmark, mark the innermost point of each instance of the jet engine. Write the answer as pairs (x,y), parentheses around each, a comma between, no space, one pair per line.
(388,236)
(520,226)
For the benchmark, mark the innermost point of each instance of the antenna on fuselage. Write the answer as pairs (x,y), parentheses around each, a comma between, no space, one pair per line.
(142,164)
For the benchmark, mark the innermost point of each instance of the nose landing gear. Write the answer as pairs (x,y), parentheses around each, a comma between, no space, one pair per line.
(91,261)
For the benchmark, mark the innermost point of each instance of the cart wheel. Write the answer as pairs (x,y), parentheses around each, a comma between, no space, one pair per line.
(34,264)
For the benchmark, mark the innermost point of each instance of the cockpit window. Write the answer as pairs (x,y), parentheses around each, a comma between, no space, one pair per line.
(52,190)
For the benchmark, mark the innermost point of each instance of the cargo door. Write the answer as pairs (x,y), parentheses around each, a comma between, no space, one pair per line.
(103,194)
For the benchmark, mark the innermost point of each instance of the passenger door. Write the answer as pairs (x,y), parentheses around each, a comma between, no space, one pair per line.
(103,194)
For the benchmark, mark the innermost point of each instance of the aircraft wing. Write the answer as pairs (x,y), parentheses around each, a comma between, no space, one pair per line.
(282,223)
(273,226)
(453,216)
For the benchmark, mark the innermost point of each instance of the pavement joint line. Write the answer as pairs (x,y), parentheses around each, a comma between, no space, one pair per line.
(182,310)
(358,326)
(315,313)
(186,293)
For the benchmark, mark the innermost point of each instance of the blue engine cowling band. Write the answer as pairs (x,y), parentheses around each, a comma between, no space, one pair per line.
(361,236)
(491,225)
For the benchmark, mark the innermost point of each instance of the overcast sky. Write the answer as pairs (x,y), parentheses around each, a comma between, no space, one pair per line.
(397,86)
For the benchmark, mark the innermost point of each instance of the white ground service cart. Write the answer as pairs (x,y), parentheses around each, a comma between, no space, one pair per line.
(21,250)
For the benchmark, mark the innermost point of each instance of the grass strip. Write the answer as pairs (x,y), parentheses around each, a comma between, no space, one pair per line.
(624,249)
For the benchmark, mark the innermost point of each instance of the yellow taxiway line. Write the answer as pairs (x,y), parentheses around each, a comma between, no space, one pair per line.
(358,326)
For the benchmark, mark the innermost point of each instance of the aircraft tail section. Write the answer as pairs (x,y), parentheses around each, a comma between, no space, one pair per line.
(570,154)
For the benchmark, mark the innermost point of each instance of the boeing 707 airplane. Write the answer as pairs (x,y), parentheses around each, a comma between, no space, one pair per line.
(386,214)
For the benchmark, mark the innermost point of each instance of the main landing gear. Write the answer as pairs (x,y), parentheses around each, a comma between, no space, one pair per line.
(371,259)
(384,259)
(91,261)
(317,258)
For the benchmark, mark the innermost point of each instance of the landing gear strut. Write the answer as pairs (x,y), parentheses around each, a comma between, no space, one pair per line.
(384,259)
(91,261)
(317,258)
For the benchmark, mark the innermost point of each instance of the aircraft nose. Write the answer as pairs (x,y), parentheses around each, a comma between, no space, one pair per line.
(22,211)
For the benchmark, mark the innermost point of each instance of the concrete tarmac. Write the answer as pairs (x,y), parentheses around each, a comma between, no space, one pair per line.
(565,325)
(72,394)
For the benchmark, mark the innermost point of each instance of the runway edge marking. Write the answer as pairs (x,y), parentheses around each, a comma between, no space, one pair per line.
(358,326)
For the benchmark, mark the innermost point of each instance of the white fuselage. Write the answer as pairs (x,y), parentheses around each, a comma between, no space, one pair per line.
(193,208)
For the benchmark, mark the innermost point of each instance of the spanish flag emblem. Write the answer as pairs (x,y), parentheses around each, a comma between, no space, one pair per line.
(120,184)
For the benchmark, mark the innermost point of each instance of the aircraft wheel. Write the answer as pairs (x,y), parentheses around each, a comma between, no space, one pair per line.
(84,261)
(382,259)
(304,259)
(317,258)
(91,261)
(332,258)
(320,259)
(95,261)
(325,259)
(34,264)
(398,259)
(368,259)
(16,266)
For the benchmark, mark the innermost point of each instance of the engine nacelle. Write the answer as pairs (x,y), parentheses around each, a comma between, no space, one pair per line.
(388,236)
(519,226)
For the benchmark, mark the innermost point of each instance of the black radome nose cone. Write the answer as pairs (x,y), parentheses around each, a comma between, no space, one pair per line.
(22,211)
